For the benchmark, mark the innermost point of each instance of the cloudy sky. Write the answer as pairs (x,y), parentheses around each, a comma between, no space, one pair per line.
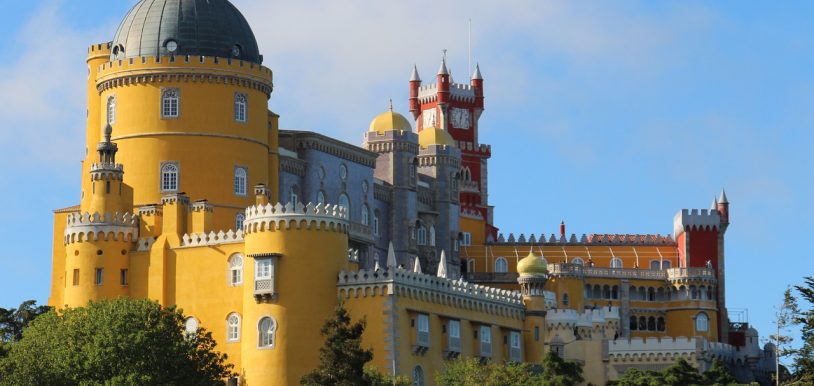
(610,115)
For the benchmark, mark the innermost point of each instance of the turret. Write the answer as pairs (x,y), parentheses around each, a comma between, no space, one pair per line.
(477,86)
(295,254)
(443,84)
(415,84)
(723,209)
(533,275)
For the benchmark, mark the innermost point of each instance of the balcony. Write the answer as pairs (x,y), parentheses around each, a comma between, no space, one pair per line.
(707,274)
(264,290)
(491,277)
(360,232)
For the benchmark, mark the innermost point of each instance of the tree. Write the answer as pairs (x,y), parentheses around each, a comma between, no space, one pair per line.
(14,320)
(719,375)
(375,378)
(463,372)
(679,374)
(804,357)
(115,342)
(785,317)
(552,371)
(342,359)
(557,372)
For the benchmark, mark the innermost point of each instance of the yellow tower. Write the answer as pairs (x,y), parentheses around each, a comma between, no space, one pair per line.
(296,253)
(533,274)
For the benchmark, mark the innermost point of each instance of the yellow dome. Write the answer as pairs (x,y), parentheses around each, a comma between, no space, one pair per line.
(532,265)
(390,120)
(434,136)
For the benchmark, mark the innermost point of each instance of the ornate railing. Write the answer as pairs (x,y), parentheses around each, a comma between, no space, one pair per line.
(491,277)
(360,232)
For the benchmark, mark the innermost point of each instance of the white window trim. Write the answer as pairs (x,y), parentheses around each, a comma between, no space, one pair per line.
(257,264)
(504,265)
(178,103)
(191,322)
(238,103)
(577,260)
(617,263)
(365,215)
(467,239)
(240,220)
(695,322)
(240,188)
(234,267)
(229,327)
(161,176)
(110,109)
(273,333)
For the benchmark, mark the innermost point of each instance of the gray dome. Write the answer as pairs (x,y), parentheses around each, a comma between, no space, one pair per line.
(190,27)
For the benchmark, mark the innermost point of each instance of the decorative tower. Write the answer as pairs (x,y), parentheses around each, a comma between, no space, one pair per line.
(533,272)
(455,108)
(98,239)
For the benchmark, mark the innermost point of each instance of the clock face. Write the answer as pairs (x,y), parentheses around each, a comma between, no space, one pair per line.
(172,46)
(461,118)
(430,118)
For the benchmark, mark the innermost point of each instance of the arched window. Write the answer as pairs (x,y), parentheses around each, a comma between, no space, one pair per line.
(693,292)
(597,293)
(169,177)
(191,325)
(634,323)
(651,294)
(606,292)
(470,265)
(587,291)
(375,223)
(240,218)
(321,197)
(344,202)
(236,269)
(170,101)
(701,322)
(233,327)
(564,299)
(616,263)
(651,324)
(422,235)
(501,265)
(615,292)
(660,324)
(413,170)
(655,264)
(432,235)
(578,261)
(665,264)
(365,215)
(642,323)
(418,376)
(642,293)
(241,175)
(265,331)
(293,195)
(240,107)
(111,110)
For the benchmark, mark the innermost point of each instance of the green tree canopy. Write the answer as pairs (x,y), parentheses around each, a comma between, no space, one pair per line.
(14,320)
(552,371)
(804,357)
(679,374)
(115,342)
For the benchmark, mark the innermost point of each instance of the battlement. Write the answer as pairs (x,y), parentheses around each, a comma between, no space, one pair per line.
(455,293)
(211,238)
(109,171)
(100,49)
(696,219)
(458,91)
(470,147)
(184,68)
(592,239)
(81,227)
(260,218)
(651,347)
(387,142)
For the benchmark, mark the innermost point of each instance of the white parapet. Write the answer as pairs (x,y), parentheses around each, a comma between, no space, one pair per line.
(288,216)
(82,227)
(695,219)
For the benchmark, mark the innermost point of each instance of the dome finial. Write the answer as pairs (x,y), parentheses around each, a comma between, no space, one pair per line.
(391,104)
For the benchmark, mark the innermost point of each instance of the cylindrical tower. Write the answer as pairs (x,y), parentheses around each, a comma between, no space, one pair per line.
(184,86)
(296,254)
(533,272)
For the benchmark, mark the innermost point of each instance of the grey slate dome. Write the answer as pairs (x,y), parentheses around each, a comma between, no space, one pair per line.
(185,27)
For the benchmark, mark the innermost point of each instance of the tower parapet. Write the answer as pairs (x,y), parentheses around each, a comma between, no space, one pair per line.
(82,227)
(261,217)
(696,219)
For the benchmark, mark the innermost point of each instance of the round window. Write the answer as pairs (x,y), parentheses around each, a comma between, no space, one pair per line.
(171,45)
(236,50)
(343,172)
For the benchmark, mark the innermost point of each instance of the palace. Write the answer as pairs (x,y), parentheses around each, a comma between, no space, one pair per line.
(193,196)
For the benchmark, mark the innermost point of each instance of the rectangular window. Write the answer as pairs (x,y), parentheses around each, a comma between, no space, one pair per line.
(264,276)
(514,346)
(123,277)
(263,270)
(454,335)
(76,277)
(169,103)
(423,336)
(241,175)
(375,225)
(240,107)
(467,239)
(99,276)
(485,341)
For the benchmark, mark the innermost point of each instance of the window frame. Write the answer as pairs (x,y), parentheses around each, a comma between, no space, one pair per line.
(504,265)
(365,215)
(240,220)
(123,277)
(235,264)
(240,182)
(617,263)
(271,341)
(110,110)
(168,96)
(169,181)
(233,330)
(698,317)
(191,322)
(241,107)
(99,276)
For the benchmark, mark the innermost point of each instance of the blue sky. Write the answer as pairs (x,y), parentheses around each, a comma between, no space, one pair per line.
(610,115)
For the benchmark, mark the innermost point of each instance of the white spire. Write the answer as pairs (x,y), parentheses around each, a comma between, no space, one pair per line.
(391,256)
(443,70)
(476,75)
(714,203)
(723,199)
(414,77)
(442,265)
(417,265)
(376,266)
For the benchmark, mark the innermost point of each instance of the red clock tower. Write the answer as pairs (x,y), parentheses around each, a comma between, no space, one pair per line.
(456,109)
